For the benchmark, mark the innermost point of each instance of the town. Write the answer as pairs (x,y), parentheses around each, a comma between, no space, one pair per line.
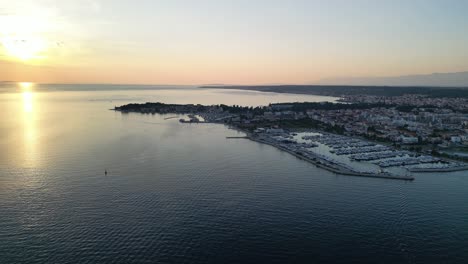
(366,135)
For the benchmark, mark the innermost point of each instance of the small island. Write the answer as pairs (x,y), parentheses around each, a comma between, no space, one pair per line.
(331,136)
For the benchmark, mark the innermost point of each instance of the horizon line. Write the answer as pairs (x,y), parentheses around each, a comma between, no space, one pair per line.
(236,85)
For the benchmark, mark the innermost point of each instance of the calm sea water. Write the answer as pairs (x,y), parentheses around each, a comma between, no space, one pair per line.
(180,193)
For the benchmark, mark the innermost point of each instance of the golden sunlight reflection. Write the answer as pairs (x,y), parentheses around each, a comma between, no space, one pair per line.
(28,96)
(28,101)
(29,124)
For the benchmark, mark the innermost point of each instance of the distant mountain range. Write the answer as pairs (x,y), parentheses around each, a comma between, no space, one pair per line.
(453,79)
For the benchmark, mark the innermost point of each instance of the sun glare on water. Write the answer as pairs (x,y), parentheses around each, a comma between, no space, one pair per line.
(29,123)
(28,96)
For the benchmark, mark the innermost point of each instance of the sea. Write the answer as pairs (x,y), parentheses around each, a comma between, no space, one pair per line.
(184,193)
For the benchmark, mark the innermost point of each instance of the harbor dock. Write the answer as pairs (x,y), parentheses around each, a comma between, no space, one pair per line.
(333,167)
(448,169)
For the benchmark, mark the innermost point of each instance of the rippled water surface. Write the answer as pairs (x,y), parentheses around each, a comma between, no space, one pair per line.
(180,193)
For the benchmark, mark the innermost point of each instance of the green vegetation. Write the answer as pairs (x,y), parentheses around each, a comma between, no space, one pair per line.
(187,108)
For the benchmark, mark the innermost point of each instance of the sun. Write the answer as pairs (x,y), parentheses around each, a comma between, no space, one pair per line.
(24,47)
(26,86)
(23,39)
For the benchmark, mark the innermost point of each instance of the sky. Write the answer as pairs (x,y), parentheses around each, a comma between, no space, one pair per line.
(228,42)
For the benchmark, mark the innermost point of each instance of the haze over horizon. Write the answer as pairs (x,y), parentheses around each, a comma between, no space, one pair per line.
(448,79)
(265,42)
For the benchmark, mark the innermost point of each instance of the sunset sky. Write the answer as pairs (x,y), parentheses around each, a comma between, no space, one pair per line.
(235,42)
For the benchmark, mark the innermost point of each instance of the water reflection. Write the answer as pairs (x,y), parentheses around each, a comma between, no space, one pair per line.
(28,101)
(29,124)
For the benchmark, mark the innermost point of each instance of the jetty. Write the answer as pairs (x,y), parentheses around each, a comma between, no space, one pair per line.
(447,169)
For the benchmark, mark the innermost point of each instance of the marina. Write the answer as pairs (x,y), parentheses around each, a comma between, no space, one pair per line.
(406,161)
(378,156)
(353,156)
(330,165)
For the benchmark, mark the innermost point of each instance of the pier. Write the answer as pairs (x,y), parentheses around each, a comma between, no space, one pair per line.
(448,169)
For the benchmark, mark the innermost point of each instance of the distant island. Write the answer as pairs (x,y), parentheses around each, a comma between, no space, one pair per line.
(372,136)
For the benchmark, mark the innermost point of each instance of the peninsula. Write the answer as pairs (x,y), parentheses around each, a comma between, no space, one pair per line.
(306,130)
